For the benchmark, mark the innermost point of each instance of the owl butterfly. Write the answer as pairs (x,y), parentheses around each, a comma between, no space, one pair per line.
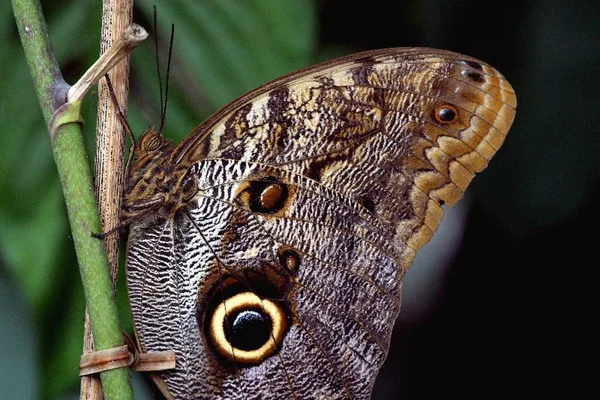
(267,248)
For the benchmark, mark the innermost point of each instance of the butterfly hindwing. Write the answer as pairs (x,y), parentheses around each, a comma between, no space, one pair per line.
(272,266)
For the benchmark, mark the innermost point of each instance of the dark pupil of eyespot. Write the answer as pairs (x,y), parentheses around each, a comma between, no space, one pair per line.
(248,330)
(446,114)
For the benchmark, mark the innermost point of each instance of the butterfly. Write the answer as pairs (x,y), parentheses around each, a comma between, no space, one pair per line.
(267,248)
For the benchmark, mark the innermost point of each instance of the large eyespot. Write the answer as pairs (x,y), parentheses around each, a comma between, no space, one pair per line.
(247,329)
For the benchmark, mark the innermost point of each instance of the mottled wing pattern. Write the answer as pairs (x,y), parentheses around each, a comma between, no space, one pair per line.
(312,192)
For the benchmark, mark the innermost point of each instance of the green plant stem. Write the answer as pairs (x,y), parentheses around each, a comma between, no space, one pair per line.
(73,168)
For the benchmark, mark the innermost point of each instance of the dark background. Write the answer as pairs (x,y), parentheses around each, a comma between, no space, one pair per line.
(499,304)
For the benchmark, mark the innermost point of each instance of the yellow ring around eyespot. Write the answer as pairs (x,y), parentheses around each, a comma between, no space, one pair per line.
(242,301)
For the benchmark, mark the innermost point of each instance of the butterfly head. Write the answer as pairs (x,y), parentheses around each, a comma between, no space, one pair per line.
(149,177)
(151,144)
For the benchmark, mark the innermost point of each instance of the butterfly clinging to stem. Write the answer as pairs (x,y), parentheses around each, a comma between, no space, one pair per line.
(267,248)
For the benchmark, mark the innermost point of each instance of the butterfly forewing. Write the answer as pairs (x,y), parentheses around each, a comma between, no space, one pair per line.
(272,264)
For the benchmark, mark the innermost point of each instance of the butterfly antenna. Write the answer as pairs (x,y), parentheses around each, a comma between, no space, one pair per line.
(163,111)
(124,122)
(163,102)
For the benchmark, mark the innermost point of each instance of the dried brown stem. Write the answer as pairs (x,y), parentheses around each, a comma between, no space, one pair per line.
(132,36)
(116,19)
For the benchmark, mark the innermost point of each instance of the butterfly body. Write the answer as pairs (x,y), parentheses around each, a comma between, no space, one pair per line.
(267,248)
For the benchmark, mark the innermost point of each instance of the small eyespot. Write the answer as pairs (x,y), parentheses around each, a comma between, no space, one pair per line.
(289,259)
(271,196)
(445,114)
(267,197)
(474,76)
(247,329)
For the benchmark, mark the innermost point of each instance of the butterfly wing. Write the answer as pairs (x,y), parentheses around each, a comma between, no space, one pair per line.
(279,276)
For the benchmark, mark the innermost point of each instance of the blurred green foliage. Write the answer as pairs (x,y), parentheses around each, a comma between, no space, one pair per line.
(537,186)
